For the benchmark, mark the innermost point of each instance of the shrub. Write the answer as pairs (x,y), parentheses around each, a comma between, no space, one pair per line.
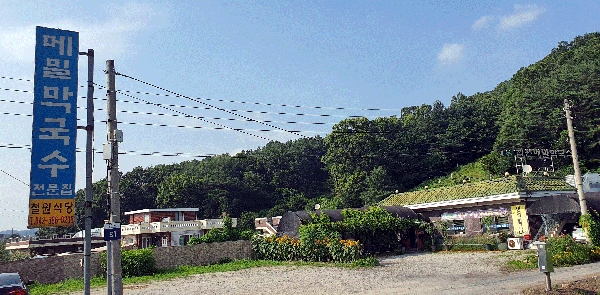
(135,263)
(344,250)
(277,248)
(288,248)
(566,251)
(591,225)
(366,262)
(474,242)
(315,240)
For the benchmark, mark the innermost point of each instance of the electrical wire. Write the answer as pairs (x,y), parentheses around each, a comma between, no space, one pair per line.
(175,126)
(209,105)
(234,101)
(206,108)
(261,103)
(14,177)
(221,125)
(183,116)
(121,152)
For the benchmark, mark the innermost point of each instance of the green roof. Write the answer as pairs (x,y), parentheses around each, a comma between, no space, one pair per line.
(512,184)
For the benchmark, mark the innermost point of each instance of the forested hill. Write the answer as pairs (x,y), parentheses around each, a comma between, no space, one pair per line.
(362,161)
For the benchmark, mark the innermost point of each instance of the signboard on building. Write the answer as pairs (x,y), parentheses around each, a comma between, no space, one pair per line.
(520,223)
(52,178)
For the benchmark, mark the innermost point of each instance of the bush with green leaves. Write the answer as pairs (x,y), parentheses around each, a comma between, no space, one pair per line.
(566,251)
(4,254)
(283,248)
(227,233)
(325,249)
(473,242)
(315,239)
(135,263)
(376,228)
(591,225)
(368,231)
(366,262)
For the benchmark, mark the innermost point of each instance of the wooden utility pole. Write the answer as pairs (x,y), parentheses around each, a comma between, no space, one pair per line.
(578,183)
(113,177)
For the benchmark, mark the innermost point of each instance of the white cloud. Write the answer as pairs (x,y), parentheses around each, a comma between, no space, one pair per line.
(483,22)
(110,38)
(522,15)
(451,53)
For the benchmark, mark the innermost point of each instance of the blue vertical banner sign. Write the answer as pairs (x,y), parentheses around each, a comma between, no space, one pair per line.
(52,178)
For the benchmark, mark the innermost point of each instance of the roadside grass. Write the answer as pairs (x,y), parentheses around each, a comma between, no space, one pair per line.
(73,285)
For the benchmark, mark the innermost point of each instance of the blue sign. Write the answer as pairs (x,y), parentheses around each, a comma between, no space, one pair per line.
(112,231)
(52,178)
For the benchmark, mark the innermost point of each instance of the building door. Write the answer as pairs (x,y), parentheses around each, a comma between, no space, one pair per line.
(146,242)
(165,241)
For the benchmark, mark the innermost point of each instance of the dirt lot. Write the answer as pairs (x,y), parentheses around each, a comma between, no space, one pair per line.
(586,286)
(420,273)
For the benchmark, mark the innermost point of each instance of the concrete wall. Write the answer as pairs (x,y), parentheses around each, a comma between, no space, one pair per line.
(169,257)
(52,269)
(58,268)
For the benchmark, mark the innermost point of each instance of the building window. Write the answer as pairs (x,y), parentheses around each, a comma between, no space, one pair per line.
(497,224)
(456,227)
(165,241)
(146,217)
(179,216)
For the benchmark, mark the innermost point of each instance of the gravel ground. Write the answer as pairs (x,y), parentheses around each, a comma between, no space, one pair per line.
(420,273)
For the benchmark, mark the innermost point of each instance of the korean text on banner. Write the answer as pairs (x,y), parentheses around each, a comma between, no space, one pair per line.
(52,178)
(519,217)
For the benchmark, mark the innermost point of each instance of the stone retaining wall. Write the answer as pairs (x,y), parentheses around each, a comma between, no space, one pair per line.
(59,268)
(52,269)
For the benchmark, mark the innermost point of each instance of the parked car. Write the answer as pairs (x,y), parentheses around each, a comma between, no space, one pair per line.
(11,284)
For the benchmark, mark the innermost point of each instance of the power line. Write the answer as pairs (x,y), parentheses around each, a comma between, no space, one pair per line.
(203,108)
(14,177)
(195,117)
(201,102)
(121,152)
(206,128)
(236,101)
(262,103)
(19,79)
(177,126)
(183,116)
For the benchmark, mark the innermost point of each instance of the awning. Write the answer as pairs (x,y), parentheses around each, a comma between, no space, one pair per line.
(558,204)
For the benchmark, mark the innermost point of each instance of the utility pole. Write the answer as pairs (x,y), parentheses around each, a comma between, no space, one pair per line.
(89,158)
(578,184)
(113,177)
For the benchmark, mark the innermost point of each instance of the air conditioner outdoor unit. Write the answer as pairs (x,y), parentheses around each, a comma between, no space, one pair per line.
(515,243)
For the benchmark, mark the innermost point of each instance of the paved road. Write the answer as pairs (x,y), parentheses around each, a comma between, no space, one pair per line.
(423,273)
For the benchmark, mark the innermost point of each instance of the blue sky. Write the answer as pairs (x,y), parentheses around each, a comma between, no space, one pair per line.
(254,57)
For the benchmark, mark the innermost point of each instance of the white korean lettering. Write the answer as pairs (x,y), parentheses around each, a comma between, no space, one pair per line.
(38,189)
(52,41)
(54,92)
(52,189)
(54,167)
(53,69)
(66,190)
(55,132)
(65,105)
(51,92)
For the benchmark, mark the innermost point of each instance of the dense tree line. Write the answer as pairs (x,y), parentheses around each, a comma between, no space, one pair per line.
(362,161)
